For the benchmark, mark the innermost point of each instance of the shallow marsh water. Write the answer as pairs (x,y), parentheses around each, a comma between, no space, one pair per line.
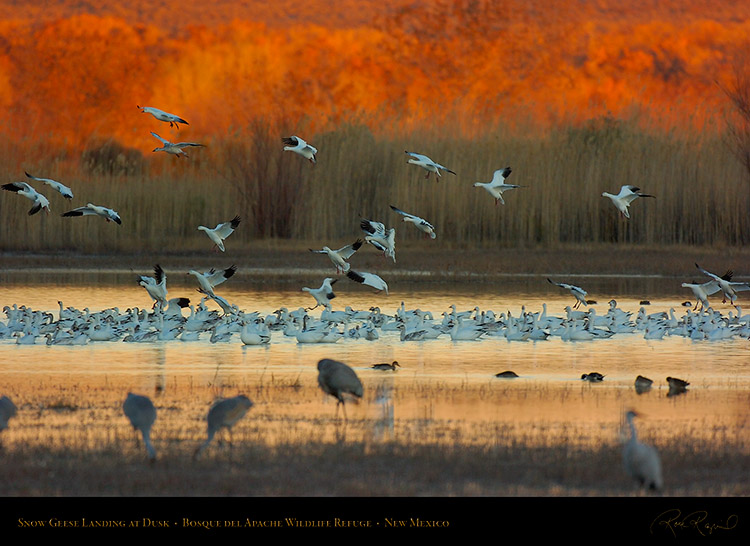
(445,392)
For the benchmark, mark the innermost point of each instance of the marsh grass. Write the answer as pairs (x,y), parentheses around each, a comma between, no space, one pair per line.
(290,444)
(701,189)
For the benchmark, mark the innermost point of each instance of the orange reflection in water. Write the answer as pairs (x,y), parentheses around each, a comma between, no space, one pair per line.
(444,392)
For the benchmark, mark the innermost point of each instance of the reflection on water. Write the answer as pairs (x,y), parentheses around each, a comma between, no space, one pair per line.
(439,382)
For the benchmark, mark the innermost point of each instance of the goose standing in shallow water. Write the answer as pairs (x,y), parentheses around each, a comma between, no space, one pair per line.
(626,196)
(22,188)
(221,232)
(297,145)
(161,115)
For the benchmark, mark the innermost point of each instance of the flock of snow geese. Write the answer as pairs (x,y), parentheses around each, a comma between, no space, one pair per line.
(166,322)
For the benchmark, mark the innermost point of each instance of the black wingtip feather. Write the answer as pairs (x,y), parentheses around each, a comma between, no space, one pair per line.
(353,275)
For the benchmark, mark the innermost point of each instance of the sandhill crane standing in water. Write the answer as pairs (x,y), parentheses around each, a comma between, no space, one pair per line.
(641,461)
(7,410)
(224,414)
(142,414)
(337,379)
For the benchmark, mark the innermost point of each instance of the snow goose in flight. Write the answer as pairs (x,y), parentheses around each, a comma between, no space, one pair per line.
(626,196)
(369,279)
(497,185)
(728,288)
(228,308)
(22,188)
(174,148)
(221,232)
(94,210)
(427,164)
(156,286)
(579,293)
(161,115)
(322,295)
(297,145)
(339,257)
(382,239)
(64,190)
(421,223)
(212,278)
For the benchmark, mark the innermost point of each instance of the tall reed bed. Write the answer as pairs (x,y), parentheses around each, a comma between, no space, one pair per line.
(702,193)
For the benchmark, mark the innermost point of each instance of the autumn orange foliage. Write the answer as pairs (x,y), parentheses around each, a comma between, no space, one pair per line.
(71,78)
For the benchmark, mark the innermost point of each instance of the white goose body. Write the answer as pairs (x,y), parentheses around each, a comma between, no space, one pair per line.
(64,190)
(427,164)
(161,115)
(297,145)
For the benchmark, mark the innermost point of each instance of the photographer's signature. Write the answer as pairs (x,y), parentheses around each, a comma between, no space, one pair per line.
(698,521)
